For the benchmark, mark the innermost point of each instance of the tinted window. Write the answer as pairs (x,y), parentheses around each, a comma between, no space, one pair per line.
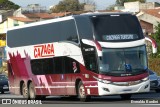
(123,60)
(116,28)
(42,66)
(58,63)
(84,27)
(71,65)
(53,32)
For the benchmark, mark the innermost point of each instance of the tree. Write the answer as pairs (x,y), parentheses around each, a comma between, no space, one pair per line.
(90,2)
(156,37)
(157,33)
(110,7)
(6,4)
(68,5)
(121,2)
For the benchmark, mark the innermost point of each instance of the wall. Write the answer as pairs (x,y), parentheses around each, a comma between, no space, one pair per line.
(148,5)
(89,7)
(147,26)
(132,6)
(3,27)
(150,19)
(11,23)
(18,13)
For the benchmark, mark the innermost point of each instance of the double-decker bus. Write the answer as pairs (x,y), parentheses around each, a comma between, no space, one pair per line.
(80,55)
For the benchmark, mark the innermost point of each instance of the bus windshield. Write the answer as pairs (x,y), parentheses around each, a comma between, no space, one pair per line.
(116,28)
(124,60)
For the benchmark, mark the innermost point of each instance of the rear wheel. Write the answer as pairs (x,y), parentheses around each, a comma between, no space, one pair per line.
(32,93)
(2,92)
(81,93)
(25,91)
(125,96)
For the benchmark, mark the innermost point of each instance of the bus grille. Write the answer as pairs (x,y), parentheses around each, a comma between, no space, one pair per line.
(127,83)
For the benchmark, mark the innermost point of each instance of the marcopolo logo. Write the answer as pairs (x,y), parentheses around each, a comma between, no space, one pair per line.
(45,50)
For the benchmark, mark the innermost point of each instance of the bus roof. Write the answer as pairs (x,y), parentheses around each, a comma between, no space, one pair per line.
(64,18)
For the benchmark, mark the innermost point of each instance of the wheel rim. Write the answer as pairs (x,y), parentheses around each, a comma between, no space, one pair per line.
(24,91)
(82,91)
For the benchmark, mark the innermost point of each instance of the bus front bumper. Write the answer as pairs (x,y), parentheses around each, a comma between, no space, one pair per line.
(111,89)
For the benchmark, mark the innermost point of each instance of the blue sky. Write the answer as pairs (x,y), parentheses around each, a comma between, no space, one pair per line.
(101,4)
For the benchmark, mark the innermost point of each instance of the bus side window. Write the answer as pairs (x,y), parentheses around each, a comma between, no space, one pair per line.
(48,66)
(68,31)
(37,67)
(58,65)
(42,66)
(70,65)
(67,65)
(73,39)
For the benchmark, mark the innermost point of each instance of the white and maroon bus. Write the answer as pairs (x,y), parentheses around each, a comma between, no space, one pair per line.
(82,55)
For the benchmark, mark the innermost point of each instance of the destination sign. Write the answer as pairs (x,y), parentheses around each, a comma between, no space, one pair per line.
(120,37)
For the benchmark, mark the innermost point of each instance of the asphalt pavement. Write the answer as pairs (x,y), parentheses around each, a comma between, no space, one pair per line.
(152,98)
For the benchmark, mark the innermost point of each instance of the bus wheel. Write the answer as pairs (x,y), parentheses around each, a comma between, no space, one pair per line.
(125,96)
(32,93)
(25,91)
(81,93)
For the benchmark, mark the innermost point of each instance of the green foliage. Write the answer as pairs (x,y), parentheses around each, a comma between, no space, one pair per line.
(3,70)
(121,2)
(111,7)
(68,6)
(6,4)
(156,37)
(154,64)
(1,1)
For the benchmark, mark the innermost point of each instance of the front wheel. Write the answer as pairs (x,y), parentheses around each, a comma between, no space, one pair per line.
(81,93)
(126,96)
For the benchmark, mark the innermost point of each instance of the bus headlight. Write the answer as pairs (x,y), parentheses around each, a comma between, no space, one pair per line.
(145,79)
(104,81)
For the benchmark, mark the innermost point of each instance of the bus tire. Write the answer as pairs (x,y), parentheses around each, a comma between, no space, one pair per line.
(126,96)
(82,94)
(25,91)
(32,93)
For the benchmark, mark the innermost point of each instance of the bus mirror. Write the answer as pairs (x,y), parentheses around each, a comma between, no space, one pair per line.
(153,42)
